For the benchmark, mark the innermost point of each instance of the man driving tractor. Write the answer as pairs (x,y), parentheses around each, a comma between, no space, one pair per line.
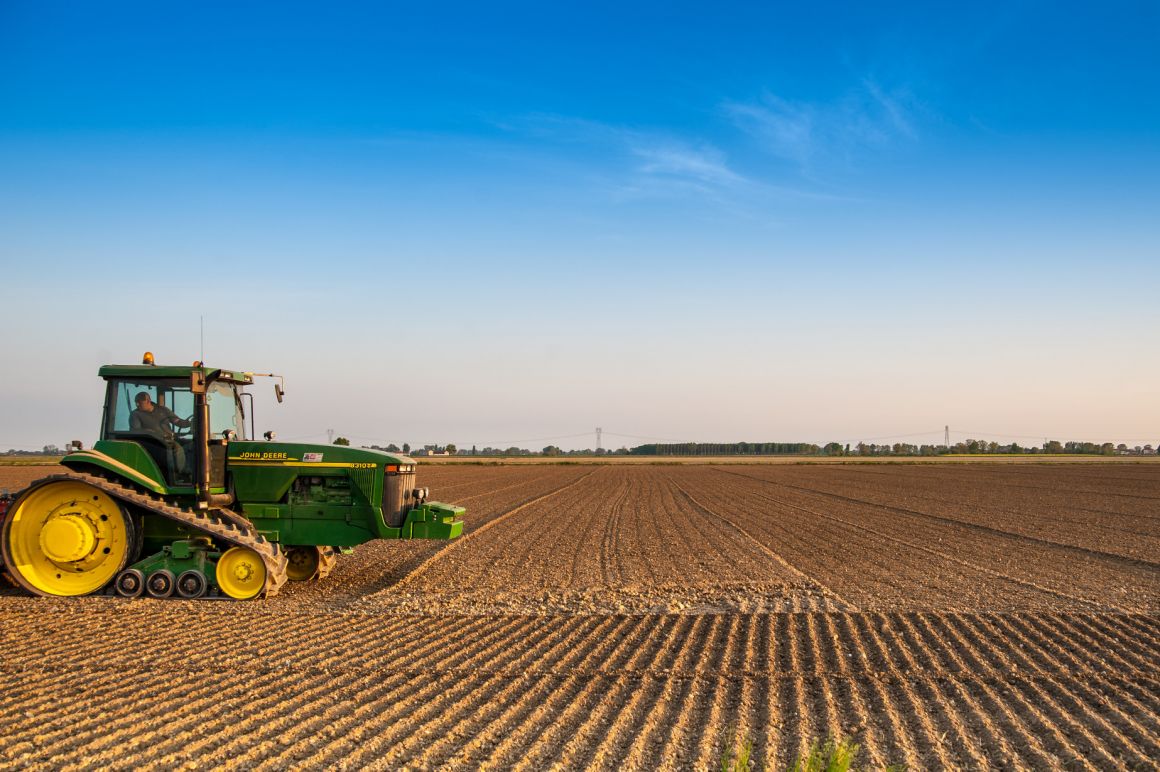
(156,421)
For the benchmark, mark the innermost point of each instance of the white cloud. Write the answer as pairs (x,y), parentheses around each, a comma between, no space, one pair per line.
(892,105)
(704,164)
(787,130)
(815,134)
(654,161)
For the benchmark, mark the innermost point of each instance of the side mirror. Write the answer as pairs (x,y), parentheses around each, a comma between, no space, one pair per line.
(278,392)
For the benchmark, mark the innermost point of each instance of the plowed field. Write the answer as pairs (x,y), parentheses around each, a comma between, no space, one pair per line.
(633,617)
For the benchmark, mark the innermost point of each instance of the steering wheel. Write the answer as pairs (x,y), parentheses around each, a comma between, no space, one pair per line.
(184,431)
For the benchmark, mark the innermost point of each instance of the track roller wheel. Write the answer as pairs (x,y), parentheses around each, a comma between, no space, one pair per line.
(191,584)
(241,573)
(303,563)
(65,538)
(130,583)
(160,583)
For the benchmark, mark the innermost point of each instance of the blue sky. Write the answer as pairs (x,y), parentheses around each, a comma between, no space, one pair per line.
(488,223)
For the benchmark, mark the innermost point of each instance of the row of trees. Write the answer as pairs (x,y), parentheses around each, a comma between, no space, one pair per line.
(452,449)
(552,450)
(729,449)
(47,450)
(967,447)
(984,447)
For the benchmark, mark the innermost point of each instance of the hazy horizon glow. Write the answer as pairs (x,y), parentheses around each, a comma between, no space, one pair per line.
(490,224)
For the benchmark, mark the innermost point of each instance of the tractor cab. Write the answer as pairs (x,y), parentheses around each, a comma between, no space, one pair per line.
(173,423)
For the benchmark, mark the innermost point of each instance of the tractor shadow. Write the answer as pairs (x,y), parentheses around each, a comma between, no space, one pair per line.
(373,568)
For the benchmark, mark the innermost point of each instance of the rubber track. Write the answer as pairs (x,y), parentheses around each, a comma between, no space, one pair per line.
(327,560)
(227,526)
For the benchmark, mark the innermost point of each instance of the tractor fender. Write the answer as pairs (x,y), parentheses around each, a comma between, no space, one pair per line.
(82,460)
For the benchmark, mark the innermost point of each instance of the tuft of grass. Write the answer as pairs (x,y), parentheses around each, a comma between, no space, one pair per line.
(738,755)
(830,756)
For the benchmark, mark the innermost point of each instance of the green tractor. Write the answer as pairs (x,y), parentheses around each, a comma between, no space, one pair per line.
(176,498)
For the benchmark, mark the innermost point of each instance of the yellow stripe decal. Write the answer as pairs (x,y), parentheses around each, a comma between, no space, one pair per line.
(128,471)
(255,462)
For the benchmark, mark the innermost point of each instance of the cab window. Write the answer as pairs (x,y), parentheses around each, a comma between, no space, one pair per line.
(174,395)
(225,410)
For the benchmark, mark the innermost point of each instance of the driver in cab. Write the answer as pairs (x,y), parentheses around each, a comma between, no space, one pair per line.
(156,421)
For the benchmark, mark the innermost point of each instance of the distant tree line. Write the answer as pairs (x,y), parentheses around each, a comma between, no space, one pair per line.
(47,450)
(552,450)
(729,449)
(455,450)
(984,447)
(967,447)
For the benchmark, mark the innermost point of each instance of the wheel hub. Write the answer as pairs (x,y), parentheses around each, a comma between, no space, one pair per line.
(68,538)
(243,571)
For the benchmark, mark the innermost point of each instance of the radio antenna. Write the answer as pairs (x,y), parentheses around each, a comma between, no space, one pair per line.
(202,357)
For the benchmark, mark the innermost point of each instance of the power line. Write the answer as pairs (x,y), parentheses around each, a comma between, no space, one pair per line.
(535,439)
(1045,435)
(638,437)
(935,433)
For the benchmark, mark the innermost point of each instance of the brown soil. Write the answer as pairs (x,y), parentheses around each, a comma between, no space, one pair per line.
(628,616)
(13,478)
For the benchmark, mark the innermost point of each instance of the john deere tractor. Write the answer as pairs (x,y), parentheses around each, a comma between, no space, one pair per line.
(176,498)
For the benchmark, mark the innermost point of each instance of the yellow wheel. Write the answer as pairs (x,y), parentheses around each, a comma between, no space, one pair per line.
(65,538)
(241,573)
(301,563)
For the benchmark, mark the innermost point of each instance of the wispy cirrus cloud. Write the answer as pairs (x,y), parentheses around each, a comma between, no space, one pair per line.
(641,152)
(812,135)
(636,163)
(787,130)
(705,163)
(896,107)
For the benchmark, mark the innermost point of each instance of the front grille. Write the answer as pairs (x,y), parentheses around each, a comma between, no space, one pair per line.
(397,497)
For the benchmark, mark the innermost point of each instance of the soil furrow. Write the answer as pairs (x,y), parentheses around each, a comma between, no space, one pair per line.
(977,720)
(1083,602)
(495,715)
(513,736)
(887,744)
(805,578)
(931,685)
(723,684)
(958,522)
(1069,703)
(639,635)
(475,533)
(1020,739)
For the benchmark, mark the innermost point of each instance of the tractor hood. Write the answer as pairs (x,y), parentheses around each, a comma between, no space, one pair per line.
(265,471)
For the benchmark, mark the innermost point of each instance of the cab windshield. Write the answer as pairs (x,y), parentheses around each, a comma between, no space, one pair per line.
(225,410)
